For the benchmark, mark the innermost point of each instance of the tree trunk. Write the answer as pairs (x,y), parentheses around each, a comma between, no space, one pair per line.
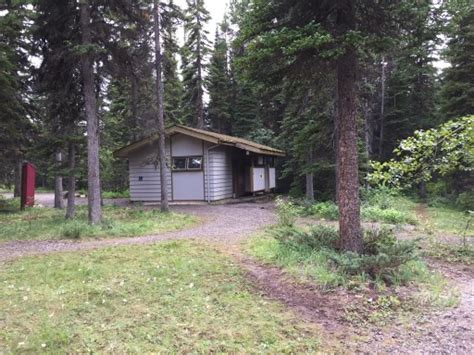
(159,100)
(200,103)
(58,182)
(347,159)
(382,109)
(71,183)
(18,168)
(310,177)
(93,169)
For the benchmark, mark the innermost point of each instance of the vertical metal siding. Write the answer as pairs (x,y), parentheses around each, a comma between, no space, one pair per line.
(220,174)
(149,189)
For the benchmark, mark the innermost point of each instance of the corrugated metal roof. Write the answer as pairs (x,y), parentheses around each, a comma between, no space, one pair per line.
(213,137)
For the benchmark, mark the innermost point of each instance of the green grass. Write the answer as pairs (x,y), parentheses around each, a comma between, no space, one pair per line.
(116,194)
(385,209)
(175,297)
(49,223)
(450,220)
(315,266)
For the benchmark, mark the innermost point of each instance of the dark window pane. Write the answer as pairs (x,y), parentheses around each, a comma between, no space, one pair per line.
(179,163)
(195,163)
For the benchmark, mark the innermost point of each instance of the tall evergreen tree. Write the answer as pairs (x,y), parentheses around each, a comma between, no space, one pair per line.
(219,87)
(286,39)
(159,100)
(16,108)
(194,60)
(173,87)
(458,83)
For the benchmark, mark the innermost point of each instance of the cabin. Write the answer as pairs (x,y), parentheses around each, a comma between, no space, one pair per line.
(203,166)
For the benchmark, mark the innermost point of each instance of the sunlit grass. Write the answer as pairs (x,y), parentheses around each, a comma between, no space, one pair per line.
(175,297)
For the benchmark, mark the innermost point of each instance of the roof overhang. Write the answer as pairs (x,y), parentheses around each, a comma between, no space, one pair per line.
(207,136)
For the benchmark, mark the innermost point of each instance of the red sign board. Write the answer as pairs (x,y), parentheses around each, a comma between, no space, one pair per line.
(28,175)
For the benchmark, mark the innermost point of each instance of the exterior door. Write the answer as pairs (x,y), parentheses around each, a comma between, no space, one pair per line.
(188,185)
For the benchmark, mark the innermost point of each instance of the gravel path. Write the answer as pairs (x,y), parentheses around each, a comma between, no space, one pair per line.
(445,332)
(226,224)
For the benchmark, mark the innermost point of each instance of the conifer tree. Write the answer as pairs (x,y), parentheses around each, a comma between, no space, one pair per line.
(194,60)
(173,87)
(458,84)
(219,87)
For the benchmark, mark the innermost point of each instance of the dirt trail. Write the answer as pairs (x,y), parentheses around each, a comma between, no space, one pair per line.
(446,332)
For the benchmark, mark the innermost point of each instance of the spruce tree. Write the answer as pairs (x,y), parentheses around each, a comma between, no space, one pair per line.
(458,83)
(194,60)
(219,87)
(173,87)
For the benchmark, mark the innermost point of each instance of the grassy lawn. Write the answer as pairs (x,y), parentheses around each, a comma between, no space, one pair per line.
(315,266)
(49,223)
(171,297)
(452,221)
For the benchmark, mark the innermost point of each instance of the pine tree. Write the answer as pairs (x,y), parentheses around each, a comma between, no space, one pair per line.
(290,39)
(173,87)
(194,60)
(458,84)
(159,100)
(16,107)
(219,87)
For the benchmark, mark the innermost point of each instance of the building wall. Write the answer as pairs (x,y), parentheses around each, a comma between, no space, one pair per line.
(188,185)
(144,174)
(220,173)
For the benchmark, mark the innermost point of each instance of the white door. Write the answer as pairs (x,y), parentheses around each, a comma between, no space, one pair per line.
(188,185)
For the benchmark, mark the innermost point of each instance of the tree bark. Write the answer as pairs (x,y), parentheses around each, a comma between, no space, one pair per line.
(310,178)
(58,182)
(200,103)
(159,100)
(18,168)
(382,109)
(347,157)
(93,168)
(71,183)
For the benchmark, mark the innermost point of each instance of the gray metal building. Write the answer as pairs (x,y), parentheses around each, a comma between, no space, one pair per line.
(203,166)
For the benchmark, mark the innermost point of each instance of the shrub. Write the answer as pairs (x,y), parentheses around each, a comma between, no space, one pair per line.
(73,230)
(389,215)
(116,194)
(326,210)
(383,256)
(382,197)
(465,200)
(383,253)
(318,237)
(9,205)
(287,212)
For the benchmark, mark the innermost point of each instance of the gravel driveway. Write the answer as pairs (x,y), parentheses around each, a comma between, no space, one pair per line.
(227,224)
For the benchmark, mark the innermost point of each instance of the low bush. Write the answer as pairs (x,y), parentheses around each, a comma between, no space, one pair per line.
(73,230)
(9,205)
(287,212)
(389,215)
(382,258)
(317,237)
(465,200)
(116,194)
(327,210)
(382,197)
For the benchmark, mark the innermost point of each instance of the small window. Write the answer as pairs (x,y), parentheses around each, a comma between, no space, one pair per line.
(194,163)
(179,163)
(187,163)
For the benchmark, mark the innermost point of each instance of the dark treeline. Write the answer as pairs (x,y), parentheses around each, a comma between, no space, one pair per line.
(333,83)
